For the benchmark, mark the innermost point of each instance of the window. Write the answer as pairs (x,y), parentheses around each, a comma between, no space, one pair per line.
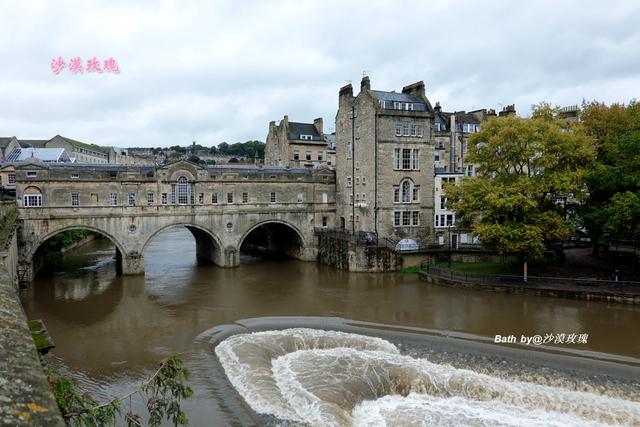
(469,170)
(173,194)
(113,199)
(164,198)
(325,198)
(398,129)
(415,160)
(324,221)
(349,181)
(357,180)
(183,190)
(406,191)
(416,193)
(414,130)
(364,197)
(415,218)
(150,198)
(11,178)
(306,137)
(201,198)
(75,176)
(214,198)
(296,155)
(420,132)
(357,197)
(357,165)
(396,195)
(443,202)
(308,155)
(406,218)
(349,150)
(450,220)
(396,158)
(406,158)
(31,174)
(75,199)
(245,197)
(364,180)
(300,198)
(396,219)
(406,129)
(320,156)
(32,200)
(229,197)
(273,198)
(132,199)
(437,156)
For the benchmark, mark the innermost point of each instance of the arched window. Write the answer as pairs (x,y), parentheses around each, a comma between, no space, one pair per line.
(32,197)
(406,191)
(183,190)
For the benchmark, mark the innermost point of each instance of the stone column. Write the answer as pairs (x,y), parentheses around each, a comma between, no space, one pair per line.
(130,264)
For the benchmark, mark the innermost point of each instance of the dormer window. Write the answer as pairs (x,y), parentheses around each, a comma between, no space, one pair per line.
(32,174)
(306,137)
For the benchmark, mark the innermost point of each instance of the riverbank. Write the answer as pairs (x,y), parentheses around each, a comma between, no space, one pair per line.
(586,289)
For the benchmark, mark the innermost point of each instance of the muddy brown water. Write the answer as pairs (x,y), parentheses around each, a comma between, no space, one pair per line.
(110,331)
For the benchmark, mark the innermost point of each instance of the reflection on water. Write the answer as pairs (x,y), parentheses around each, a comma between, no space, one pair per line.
(113,329)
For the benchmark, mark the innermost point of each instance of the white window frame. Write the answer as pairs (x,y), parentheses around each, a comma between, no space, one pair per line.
(150,198)
(11,178)
(32,200)
(164,199)
(113,199)
(131,200)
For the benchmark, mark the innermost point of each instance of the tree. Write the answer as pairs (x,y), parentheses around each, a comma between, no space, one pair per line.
(614,181)
(530,174)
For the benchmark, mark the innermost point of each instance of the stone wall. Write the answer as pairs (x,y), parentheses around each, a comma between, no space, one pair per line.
(25,397)
(344,253)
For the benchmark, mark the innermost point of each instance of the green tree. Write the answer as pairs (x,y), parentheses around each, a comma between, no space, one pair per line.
(614,181)
(530,173)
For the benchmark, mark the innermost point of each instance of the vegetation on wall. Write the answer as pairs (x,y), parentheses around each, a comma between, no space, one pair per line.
(8,216)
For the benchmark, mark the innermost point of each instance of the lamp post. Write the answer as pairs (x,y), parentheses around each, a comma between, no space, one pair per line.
(449,227)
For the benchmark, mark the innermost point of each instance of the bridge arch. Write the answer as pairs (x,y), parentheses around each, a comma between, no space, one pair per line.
(43,239)
(209,247)
(274,235)
(32,259)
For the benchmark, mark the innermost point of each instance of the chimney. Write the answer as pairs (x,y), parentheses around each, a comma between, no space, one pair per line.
(415,89)
(508,110)
(285,121)
(438,108)
(365,83)
(318,125)
(491,112)
(345,96)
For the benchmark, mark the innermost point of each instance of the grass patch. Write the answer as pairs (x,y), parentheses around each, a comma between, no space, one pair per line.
(479,268)
(35,325)
(410,270)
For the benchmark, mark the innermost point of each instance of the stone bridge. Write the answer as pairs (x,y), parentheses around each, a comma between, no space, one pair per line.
(225,208)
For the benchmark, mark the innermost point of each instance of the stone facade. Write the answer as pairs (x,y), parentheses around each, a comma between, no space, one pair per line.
(221,206)
(293,144)
(384,172)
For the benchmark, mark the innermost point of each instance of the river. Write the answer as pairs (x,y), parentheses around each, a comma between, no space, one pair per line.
(110,331)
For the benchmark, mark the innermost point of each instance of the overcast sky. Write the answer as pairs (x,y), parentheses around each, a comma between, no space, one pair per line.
(214,71)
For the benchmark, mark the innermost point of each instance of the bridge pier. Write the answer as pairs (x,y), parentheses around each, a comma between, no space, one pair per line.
(130,264)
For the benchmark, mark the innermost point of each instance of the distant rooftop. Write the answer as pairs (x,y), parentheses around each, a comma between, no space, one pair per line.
(43,154)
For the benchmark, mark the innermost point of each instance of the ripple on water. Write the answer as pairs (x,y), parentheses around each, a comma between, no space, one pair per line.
(336,378)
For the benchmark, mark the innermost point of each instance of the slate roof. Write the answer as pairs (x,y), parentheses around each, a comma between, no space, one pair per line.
(418,104)
(296,129)
(32,143)
(4,141)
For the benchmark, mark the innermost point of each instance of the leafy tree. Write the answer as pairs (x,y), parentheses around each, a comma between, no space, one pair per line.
(614,181)
(530,172)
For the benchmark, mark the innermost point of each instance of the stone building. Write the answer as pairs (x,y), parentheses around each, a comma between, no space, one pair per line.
(384,171)
(82,152)
(296,144)
(451,131)
(7,145)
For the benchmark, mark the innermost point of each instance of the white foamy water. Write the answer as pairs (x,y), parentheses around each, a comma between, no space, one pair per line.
(334,378)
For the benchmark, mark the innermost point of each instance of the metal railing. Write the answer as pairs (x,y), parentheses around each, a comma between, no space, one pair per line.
(512,278)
